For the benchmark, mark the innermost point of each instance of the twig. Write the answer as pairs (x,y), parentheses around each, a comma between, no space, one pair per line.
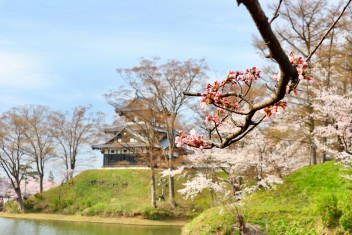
(276,14)
(271,89)
(326,34)
(227,94)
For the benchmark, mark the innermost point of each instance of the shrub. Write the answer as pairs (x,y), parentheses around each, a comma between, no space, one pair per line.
(69,210)
(59,205)
(88,212)
(11,206)
(346,218)
(156,214)
(38,196)
(346,221)
(29,205)
(328,210)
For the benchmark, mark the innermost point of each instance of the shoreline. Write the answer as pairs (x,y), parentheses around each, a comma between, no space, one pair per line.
(94,219)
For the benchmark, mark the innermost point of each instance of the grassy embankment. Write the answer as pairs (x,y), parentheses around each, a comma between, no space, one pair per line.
(93,219)
(113,193)
(313,200)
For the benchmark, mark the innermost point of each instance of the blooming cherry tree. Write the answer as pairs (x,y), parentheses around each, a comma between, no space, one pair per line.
(30,187)
(256,159)
(337,110)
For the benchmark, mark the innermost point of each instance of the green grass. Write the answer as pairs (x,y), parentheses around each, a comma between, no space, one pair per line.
(120,192)
(293,208)
(213,220)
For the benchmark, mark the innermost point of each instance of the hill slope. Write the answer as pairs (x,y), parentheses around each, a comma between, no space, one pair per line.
(296,207)
(113,192)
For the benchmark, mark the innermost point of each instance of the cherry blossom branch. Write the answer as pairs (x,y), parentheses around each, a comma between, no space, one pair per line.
(228,96)
(287,71)
(329,30)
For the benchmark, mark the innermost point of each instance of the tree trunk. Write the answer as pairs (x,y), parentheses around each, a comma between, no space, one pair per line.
(324,158)
(153,191)
(314,154)
(172,192)
(241,224)
(41,180)
(311,126)
(19,198)
(171,181)
(72,167)
(261,165)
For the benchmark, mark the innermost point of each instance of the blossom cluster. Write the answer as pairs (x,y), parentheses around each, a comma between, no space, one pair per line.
(216,118)
(247,76)
(214,93)
(275,108)
(193,140)
(172,173)
(269,182)
(198,184)
(302,68)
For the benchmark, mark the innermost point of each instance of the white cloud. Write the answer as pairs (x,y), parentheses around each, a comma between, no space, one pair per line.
(21,71)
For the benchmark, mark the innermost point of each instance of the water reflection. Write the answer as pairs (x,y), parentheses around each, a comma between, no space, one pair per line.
(33,227)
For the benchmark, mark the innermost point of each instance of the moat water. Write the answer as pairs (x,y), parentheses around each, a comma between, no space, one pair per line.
(37,227)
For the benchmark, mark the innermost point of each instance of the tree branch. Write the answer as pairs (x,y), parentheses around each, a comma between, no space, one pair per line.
(329,30)
(276,13)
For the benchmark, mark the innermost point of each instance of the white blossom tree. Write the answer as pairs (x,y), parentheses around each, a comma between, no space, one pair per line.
(337,108)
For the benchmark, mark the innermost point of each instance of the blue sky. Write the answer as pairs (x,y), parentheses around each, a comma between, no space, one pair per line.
(65,53)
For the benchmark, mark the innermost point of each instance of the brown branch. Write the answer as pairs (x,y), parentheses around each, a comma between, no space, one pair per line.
(329,30)
(254,125)
(287,71)
(227,94)
(276,13)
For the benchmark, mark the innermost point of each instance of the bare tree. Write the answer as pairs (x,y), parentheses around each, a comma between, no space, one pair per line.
(72,132)
(163,85)
(13,158)
(39,139)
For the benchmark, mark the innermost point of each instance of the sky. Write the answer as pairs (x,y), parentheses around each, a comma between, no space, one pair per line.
(64,54)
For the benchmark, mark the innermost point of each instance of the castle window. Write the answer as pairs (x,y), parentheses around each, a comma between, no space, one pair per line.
(112,151)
